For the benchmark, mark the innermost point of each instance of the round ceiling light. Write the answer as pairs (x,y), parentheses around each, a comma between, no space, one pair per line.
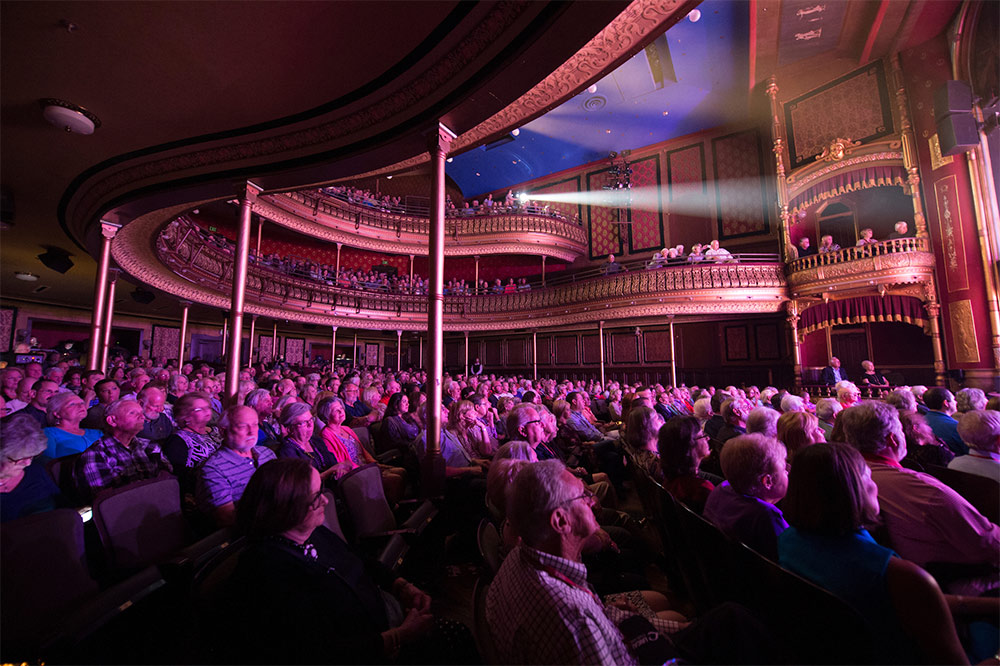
(24,275)
(69,117)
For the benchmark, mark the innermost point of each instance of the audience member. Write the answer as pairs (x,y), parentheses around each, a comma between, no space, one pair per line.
(119,458)
(969,399)
(941,406)
(300,442)
(826,244)
(682,446)
(826,411)
(871,377)
(867,238)
(926,521)
(718,254)
(900,230)
(980,430)
(194,439)
(65,435)
(743,507)
(223,476)
(763,420)
(25,484)
(41,391)
(158,426)
(833,373)
(804,248)
(734,413)
(922,447)
(797,430)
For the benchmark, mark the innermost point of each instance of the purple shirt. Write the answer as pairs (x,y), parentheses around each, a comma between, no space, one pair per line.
(748,519)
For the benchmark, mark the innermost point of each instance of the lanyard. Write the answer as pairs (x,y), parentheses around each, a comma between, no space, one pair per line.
(559,576)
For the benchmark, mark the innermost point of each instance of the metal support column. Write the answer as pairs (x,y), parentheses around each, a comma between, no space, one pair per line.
(182,345)
(399,350)
(108,231)
(242,252)
(673,356)
(109,313)
(600,344)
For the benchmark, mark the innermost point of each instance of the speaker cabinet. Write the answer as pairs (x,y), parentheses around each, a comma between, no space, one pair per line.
(957,133)
(952,97)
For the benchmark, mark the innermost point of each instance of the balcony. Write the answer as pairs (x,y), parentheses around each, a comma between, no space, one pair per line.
(695,289)
(338,221)
(860,270)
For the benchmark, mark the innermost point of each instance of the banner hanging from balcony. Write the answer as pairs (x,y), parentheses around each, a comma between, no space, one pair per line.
(862,309)
(850,181)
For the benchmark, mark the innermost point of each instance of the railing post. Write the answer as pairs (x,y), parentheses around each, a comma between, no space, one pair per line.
(337,275)
(333,349)
(793,325)
(109,314)
(778,138)
(399,350)
(439,142)
(673,357)
(354,359)
(600,341)
(933,309)
(476,291)
(108,231)
(543,270)
(182,345)
(240,261)
(534,354)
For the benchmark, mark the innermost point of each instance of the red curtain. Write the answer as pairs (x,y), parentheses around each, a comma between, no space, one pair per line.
(862,309)
(842,182)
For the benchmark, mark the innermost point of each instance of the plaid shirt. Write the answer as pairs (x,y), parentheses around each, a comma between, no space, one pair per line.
(541,611)
(109,464)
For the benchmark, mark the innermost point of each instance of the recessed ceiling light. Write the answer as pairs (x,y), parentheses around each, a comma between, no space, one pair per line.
(450,160)
(592,89)
(27,277)
(607,131)
(515,132)
(666,113)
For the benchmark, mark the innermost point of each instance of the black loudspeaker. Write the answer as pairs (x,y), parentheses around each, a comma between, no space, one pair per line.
(143,296)
(57,259)
(957,133)
(952,97)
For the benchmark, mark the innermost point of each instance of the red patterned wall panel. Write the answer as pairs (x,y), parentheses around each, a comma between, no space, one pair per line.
(624,348)
(688,218)
(7,318)
(517,351)
(739,185)
(737,344)
(605,232)
(166,341)
(567,349)
(657,346)
(264,346)
(570,210)
(591,352)
(855,107)
(646,230)
(295,350)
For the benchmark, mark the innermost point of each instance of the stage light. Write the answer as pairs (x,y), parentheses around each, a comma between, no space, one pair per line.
(523,197)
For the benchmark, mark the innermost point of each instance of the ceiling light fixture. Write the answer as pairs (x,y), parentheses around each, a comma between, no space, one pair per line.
(694,16)
(592,89)
(24,275)
(516,131)
(69,116)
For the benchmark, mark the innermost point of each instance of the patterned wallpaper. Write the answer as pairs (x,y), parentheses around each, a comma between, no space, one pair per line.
(855,107)
(295,350)
(688,216)
(7,319)
(264,348)
(738,185)
(605,232)
(570,210)
(646,230)
(166,342)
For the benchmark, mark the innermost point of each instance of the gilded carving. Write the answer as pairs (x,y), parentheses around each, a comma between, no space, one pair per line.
(963,331)
(937,159)
(838,149)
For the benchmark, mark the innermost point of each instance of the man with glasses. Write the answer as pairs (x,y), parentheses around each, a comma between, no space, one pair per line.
(540,607)
(359,415)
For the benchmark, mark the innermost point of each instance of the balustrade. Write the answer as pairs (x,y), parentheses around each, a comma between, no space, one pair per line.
(893,246)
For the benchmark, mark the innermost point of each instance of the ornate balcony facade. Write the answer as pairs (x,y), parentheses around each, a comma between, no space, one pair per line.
(180,262)
(337,221)
(892,265)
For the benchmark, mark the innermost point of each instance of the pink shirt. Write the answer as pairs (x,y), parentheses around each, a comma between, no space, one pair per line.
(929,522)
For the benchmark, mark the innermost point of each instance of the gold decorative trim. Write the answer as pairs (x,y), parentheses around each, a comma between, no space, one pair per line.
(963,331)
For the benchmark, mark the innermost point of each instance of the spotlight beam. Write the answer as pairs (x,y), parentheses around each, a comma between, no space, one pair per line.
(683,199)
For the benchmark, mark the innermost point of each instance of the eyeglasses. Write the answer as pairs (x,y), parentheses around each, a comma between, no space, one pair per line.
(17,461)
(701,435)
(528,423)
(316,501)
(587,495)
(300,424)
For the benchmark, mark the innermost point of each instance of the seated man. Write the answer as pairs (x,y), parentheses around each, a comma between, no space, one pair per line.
(223,476)
(980,430)
(157,426)
(832,373)
(119,458)
(941,405)
(41,391)
(359,415)
(107,391)
(612,266)
(734,413)
(926,521)
(744,506)
(540,608)
(804,248)
(900,230)
(719,254)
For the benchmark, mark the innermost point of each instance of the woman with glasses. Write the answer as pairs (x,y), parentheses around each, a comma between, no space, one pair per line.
(194,440)
(643,426)
(64,412)
(25,485)
(301,595)
(301,441)
(398,430)
(682,446)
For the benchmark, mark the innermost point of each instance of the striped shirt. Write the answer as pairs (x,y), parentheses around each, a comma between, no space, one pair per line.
(224,475)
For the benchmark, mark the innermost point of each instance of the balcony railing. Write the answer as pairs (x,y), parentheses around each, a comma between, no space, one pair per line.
(847,254)
(456,227)
(187,253)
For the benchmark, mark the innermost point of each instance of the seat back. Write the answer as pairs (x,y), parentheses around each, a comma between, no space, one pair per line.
(979,491)
(484,639)
(330,518)
(490,545)
(61,471)
(362,491)
(680,553)
(818,627)
(44,573)
(141,523)
(714,557)
(365,437)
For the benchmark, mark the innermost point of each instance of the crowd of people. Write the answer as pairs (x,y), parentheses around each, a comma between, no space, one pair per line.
(866,238)
(550,461)
(675,256)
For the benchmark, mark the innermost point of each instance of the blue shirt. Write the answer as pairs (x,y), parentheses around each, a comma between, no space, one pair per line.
(748,519)
(36,493)
(946,428)
(62,443)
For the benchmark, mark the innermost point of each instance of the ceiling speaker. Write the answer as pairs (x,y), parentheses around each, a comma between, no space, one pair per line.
(143,296)
(57,259)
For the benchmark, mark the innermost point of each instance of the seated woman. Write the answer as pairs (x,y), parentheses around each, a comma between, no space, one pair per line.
(300,442)
(65,436)
(615,404)
(398,430)
(867,238)
(348,448)
(194,440)
(797,430)
(682,446)
(26,487)
(923,448)
(300,595)
(872,377)
(641,433)
(831,498)
(464,432)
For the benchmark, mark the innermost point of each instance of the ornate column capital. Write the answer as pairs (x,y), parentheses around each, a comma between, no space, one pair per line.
(109,229)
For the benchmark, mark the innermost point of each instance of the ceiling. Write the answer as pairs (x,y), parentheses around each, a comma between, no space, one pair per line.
(196,97)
